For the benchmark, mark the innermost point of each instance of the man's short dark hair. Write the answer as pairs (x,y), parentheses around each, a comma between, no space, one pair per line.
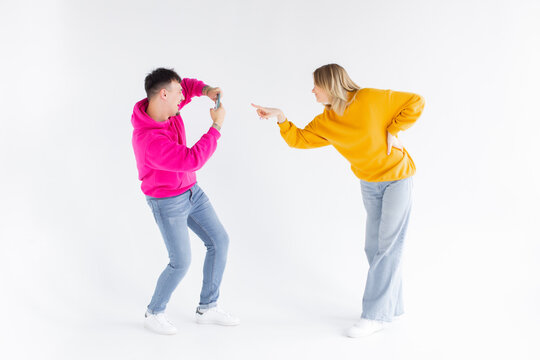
(158,79)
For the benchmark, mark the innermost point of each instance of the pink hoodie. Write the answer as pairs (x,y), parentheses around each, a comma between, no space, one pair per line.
(166,165)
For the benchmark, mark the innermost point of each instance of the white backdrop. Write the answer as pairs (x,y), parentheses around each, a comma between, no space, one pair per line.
(80,252)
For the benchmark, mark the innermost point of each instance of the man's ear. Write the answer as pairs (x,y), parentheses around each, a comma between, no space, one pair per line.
(163,93)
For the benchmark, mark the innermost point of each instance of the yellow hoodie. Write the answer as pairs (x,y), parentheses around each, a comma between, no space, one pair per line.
(360,134)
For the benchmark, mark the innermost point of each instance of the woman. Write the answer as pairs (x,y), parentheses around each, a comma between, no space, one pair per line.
(363,124)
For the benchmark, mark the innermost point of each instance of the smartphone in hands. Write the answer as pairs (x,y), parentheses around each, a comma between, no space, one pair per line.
(218,101)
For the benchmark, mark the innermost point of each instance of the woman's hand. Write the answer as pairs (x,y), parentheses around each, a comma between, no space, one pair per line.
(266,113)
(393,141)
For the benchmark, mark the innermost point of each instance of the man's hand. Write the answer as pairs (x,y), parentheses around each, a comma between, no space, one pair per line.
(212,92)
(218,115)
(393,141)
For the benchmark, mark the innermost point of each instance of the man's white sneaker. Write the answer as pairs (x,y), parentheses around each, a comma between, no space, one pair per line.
(216,316)
(365,327)
(159,324)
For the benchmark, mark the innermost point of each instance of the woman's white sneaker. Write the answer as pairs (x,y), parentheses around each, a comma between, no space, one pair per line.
(159,324)
(216,316)
(365,327)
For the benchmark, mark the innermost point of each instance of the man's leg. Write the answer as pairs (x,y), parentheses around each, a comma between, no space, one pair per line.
(204,222)
(171,216)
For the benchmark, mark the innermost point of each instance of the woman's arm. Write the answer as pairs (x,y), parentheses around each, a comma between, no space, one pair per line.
(409,107)
(306,138)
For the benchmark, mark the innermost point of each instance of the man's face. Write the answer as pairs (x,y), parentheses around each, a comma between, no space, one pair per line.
(173,97)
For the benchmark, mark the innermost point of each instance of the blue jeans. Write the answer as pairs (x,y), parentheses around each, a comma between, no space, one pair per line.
(173,216)
(388,206)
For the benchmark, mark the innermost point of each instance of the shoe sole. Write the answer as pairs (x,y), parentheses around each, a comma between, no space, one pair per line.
(365,335)
(160,332)
(206,322)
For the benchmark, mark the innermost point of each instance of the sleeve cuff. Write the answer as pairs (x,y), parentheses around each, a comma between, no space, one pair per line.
(393,129)
(284,125)
(198,88)
(214,132)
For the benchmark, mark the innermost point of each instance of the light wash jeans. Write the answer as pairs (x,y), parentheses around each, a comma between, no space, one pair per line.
(388,206)
(173,216)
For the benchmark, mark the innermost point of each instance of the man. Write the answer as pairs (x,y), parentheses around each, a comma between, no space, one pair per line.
(167,170)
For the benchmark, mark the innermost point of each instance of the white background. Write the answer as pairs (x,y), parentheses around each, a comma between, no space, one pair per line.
(80,252)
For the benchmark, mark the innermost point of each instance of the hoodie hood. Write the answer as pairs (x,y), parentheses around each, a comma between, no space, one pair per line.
(141,120)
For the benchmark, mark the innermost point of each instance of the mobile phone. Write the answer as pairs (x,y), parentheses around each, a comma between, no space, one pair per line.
(218,102)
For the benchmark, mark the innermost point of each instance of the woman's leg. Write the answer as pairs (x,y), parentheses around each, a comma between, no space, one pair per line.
(382,296)
(372,198)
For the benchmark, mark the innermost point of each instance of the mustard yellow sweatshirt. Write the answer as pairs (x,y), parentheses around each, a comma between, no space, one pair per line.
(360,134)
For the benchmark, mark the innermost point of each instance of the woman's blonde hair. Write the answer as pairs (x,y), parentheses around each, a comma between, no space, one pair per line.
(333,79)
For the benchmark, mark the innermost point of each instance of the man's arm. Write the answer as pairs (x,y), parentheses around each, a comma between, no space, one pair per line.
(194,87)
(212,92)
(205,89)
(191,88)
(164,154)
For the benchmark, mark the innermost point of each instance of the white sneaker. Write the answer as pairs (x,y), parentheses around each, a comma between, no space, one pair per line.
(216,316)
(159,324)
(365,327)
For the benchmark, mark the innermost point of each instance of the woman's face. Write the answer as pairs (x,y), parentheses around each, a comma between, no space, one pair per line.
(321,95)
